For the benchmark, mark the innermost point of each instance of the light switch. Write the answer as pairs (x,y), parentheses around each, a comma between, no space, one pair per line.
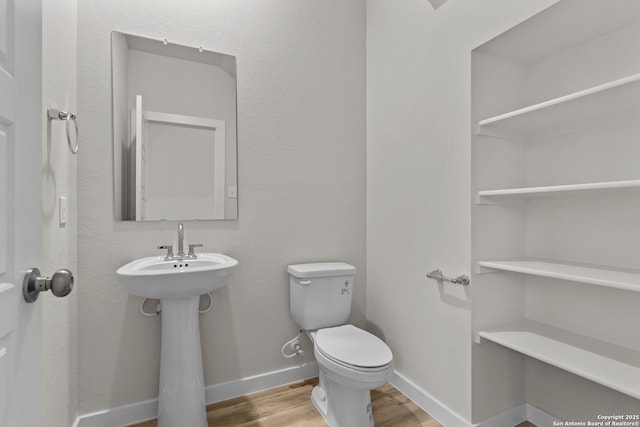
(232,192)
(62,210)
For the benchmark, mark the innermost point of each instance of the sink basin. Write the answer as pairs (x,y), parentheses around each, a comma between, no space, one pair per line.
(178,285)
(153,277)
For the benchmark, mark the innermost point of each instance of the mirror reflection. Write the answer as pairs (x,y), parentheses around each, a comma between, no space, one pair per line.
(174,131)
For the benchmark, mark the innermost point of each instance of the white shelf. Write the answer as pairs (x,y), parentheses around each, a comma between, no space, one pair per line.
(613,366)
(568,112)
(562,189)
(628,280)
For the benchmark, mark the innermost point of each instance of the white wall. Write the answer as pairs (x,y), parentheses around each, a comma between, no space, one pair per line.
(301,137)
(418,181)
(59,243)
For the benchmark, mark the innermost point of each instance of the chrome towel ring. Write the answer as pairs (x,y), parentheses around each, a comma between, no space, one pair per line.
(56,114)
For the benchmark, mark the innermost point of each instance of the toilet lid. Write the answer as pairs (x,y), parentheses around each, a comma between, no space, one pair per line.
(353,346)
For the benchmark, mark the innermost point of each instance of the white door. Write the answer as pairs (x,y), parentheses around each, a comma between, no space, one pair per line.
(21,118)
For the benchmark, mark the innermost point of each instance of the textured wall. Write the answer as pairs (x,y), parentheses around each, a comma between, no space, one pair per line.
(59,243)
(418,181)
(301,137)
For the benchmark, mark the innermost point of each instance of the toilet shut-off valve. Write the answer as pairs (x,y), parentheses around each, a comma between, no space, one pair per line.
(293,344)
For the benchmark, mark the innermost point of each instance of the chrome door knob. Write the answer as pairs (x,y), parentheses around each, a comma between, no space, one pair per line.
(60,284)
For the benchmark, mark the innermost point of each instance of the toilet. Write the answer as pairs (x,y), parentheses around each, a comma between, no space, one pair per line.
(352,361)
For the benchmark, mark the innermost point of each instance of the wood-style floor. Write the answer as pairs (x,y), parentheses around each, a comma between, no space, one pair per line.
(290,405)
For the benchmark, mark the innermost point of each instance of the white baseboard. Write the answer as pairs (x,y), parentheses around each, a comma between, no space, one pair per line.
(229,390)
(448,418)
(430,404)
(509,418)
(148,409)
(539,417)
(515,416)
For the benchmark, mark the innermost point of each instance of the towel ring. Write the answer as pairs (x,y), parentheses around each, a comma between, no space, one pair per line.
(73,148)
(56,114)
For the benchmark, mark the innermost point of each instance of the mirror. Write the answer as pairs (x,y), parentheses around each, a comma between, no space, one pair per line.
(174,131)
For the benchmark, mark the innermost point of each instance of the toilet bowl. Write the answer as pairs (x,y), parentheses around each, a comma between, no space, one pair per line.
(351,361)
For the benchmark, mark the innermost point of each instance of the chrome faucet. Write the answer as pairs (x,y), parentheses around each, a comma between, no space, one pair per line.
(180,255)
(180,241)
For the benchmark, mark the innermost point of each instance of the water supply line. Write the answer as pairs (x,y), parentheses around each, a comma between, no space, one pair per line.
(293,344)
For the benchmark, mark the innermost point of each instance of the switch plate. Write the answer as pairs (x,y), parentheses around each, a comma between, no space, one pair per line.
(62,210)
(232,192)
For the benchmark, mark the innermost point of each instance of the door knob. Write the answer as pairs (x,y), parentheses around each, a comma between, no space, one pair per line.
(60,284)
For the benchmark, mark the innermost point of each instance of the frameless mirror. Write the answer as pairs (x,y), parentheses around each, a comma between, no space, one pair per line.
(174,131)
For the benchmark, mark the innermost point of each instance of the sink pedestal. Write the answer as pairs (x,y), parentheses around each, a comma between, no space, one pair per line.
(178,284)
(181,397)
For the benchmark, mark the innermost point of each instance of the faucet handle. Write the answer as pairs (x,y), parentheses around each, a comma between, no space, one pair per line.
(169,249)
(192,253)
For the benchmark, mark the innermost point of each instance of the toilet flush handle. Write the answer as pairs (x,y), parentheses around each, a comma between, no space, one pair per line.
(305,282)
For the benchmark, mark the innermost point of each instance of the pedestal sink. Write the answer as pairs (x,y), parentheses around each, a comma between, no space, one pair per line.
(178,283)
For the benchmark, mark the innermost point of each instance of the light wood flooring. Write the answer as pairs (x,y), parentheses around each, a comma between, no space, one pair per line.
(290,405)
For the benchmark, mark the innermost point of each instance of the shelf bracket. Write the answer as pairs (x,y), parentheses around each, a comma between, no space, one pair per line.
(477,338)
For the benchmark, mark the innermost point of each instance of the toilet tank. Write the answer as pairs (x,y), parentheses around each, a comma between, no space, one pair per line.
(320,293)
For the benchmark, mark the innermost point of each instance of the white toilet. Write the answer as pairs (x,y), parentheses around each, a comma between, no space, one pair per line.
(352,361)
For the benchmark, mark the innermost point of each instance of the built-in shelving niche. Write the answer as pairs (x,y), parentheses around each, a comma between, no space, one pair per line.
(555,137)
(600,361)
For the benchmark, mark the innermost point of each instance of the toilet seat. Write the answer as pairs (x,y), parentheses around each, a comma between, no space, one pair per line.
(353,348)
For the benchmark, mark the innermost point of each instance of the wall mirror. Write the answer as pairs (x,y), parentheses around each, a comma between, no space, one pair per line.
(174,131)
